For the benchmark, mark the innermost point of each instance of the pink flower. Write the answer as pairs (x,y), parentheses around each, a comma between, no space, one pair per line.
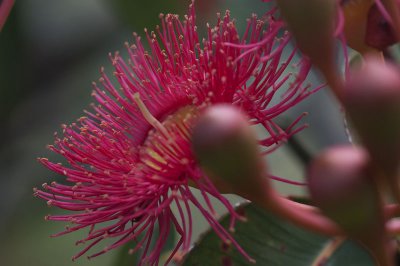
(130,159)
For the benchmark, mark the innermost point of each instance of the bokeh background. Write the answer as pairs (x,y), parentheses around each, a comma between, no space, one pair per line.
(50,52)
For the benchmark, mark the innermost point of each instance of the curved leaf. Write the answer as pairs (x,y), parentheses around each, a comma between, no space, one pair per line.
(272,241)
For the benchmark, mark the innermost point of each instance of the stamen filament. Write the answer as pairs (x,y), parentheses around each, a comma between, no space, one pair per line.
(148,116)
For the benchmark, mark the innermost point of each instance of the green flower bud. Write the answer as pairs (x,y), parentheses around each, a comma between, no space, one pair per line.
(372,99)
(312,24)
(227,150)
(341,185)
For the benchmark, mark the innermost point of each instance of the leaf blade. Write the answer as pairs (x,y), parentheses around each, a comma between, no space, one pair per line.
(272,241)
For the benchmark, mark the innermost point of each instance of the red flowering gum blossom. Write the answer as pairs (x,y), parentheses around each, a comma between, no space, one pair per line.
(129,160)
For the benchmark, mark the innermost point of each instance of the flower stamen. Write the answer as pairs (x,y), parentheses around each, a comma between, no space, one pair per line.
(148,116)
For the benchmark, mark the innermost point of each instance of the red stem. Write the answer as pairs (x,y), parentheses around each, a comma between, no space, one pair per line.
(311,218)
(302,215)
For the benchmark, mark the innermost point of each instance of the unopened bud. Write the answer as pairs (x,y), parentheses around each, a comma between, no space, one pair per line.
(227,150)
(341,186)
(372,99)
(312,24)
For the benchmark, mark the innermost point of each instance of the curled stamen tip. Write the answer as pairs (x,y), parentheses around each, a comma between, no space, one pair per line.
(136,96)
(174,194)
(227,242)
(178,257)
(243,219)
(224,247)
(82,118)
(253,261)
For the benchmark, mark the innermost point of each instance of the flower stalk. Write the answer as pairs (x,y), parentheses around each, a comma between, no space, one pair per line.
(314,33)
(372,100)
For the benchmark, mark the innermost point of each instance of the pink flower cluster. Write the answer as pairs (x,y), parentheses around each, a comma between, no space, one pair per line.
(129,159)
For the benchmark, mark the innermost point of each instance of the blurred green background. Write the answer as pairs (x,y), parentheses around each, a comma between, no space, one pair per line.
(50,52)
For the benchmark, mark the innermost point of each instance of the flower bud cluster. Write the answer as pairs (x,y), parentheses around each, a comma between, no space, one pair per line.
(351,186)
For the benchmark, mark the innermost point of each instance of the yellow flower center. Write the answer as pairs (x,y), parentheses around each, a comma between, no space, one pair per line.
(167,146)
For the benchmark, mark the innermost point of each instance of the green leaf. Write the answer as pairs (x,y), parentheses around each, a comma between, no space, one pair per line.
(272,241)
